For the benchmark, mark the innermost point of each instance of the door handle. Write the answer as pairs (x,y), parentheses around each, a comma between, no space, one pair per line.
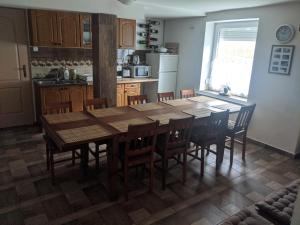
(23,68)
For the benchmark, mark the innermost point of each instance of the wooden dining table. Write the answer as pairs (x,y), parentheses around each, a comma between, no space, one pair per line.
(77,130)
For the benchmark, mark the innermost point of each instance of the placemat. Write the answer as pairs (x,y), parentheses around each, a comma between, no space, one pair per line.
(65,117)
(201,99)
(230,106)
(98,113)
(123,124)
(178,102)
(146,107)
(200,112)
(83,133)
(164,118)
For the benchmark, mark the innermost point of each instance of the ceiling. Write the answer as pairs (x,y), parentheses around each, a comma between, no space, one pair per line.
(187,8)
(143,8)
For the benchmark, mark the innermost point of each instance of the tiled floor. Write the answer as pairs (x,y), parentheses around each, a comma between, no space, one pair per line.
(27,196)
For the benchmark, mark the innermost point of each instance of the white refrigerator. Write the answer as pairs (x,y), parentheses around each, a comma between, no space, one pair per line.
(164,67)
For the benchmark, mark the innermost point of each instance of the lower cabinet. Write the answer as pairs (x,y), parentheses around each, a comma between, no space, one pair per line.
(57,94)
(125,90)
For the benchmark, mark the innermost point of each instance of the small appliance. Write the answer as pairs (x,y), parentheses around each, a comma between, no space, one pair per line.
(136,60)
(126,72)
(140,71)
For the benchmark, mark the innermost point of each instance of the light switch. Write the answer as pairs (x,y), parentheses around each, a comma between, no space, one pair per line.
(35,49)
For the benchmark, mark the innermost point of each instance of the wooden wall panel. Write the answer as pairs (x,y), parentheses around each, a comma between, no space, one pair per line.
(104,56)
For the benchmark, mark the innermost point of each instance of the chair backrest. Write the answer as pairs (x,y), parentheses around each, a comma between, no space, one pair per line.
(57,108)
(165,96)
(179,133)
(187,93)
(217,124)
(137,99)
(244,117)
(141,141)
(96,103)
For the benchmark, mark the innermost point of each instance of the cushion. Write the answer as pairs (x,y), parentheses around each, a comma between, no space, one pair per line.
(279,206)
(245,217)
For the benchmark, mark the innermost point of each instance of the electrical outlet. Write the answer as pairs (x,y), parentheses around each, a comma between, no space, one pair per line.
(35,49)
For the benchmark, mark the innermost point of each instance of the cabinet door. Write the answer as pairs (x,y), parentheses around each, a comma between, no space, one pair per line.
(43,28)
(127,33)
(85,30)
(120,95)
(77,97)
(68,29)
(49,95)
(90,92)
(131,90)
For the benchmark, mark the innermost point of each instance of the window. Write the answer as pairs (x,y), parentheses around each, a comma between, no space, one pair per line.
(232,56)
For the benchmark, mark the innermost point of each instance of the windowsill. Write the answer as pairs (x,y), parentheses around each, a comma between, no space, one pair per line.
(232,99)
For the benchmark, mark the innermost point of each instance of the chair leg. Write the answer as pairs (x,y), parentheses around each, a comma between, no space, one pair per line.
(202,161)
(73,157)
(97,156)
(164,172)
(244,146)
(231,150)
(52,168)
(47,156)
(151,176)
(126,181)
(184,167)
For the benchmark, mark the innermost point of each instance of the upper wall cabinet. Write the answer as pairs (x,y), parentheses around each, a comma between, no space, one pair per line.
(43,28)
(86,30)
(60,29)
(126,33)
(68,29)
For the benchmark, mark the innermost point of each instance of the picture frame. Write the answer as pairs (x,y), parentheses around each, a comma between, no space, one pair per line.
(281,59)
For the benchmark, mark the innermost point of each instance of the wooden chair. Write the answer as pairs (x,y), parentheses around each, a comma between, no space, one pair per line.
(239,128)
(100,148)
(96,103)
(138,150)
(51,148)
(56,108)
(187,93)
(165,96)
(213,132)
(174,144)
(137,99)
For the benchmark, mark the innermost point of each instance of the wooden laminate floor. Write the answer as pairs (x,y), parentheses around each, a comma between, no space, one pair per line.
(28,197)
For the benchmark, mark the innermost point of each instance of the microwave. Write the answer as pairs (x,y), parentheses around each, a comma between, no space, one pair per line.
(140,71)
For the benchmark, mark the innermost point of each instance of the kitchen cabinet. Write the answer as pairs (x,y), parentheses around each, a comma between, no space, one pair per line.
(125,90)
(120,95)
(90,92)
(126,33)
(43,28)
(59,29)
(86,30)
(68,27)
(45,95)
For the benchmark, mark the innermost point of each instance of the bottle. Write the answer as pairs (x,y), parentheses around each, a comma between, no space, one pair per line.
(66,74)
(155,23)
(142,42)
(142,34)
(153,31)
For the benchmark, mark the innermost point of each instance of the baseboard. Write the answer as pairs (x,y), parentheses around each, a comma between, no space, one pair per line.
(290,155)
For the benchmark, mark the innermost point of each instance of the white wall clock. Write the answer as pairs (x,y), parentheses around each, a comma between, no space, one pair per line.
(285,33)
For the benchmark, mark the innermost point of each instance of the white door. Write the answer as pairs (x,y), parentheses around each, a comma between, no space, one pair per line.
(168,63)
(167,82)
(16,105)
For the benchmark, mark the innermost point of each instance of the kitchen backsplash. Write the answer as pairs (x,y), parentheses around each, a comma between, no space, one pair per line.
(45,59)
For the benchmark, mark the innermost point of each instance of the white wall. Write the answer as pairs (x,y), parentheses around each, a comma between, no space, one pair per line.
(189,33)
(276,121)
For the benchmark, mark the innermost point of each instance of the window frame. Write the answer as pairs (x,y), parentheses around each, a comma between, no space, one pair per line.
(217,27)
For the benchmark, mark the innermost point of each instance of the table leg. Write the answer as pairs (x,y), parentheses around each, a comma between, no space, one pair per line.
(112,163)
(84,159)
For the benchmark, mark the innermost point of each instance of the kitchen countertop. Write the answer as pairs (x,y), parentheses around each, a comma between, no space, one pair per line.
(49,82)
(135,80)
